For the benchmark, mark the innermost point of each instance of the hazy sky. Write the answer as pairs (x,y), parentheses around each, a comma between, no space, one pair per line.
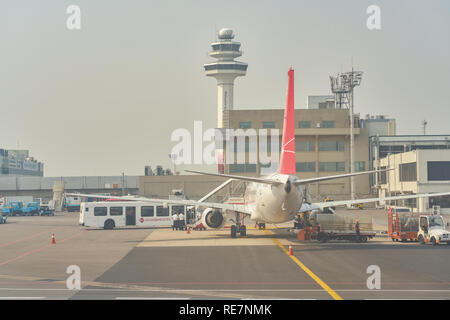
(106,98)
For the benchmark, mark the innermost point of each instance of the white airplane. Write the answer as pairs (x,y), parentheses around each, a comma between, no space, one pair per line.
(275,198)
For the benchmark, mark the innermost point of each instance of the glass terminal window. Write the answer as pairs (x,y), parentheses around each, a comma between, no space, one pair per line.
(327,124)
(268,124)
(438,170)
(305,166)
(331,145)
(305,146)
(304,124)
(331,166)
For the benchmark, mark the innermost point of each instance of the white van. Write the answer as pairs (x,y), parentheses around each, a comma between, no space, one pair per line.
(113,214)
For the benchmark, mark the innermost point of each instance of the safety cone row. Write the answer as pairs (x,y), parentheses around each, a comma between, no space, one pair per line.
(291,251)
(53,239)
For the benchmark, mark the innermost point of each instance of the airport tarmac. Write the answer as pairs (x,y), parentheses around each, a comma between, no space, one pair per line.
(166,264)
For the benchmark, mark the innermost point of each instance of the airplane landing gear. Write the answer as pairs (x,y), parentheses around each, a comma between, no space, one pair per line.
(233,231)
(238,227)
(243,231)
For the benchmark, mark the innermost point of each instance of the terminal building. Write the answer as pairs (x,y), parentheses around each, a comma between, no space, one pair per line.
(322,147)
(421,164)
(381,146)
(321,102)
(414,172)
(16,163)
(42,187)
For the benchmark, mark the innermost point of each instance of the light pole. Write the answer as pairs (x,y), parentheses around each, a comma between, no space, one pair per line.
(123,183)
(342,86)
(424,124)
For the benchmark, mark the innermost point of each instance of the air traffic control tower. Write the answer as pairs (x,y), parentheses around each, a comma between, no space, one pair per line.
(225,70)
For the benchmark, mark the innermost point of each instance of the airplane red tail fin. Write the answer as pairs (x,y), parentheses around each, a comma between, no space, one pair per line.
(287,159)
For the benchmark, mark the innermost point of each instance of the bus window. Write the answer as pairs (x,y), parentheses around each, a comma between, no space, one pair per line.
(162,212)
(100,211)
(147,211)
(177,209)
(115,211)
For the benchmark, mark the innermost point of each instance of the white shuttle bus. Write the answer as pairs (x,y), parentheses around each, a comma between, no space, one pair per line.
(114,214)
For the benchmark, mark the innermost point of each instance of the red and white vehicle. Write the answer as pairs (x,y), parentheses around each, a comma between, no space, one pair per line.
(432,230)
(113,214)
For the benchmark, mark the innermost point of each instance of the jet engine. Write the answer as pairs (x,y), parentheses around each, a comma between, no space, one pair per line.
(213,218)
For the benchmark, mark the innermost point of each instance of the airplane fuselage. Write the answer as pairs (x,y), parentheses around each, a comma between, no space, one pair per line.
(273,203)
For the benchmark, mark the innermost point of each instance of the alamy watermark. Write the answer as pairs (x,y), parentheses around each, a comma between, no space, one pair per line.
(374,19)
(73,22)
(73,282)
(374,280)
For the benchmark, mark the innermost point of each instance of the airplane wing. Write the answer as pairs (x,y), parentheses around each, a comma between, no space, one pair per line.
(297,182)
(321,205)
(215,205)
(318,179)
(250,179)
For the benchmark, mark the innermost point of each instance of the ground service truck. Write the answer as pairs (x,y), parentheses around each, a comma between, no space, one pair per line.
(326,226)
(402,226)
(432,230)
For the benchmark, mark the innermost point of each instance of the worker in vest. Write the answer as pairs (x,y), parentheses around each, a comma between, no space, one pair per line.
(358,231)
(175,220)
(181,221)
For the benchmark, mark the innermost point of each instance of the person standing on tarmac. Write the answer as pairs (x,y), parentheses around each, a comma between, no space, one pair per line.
(181,221)
(358,231)
(175,220)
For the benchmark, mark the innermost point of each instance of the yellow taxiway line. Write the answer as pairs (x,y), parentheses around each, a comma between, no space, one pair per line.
(319,281)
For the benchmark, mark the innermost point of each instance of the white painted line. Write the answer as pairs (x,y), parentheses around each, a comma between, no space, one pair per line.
(223,290)
(276,299)
(22,298)
(405,299)
(394,290)
(42,289)
(145,298)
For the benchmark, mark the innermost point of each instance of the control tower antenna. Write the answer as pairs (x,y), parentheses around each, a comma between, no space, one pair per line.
(225,70)
(342,86)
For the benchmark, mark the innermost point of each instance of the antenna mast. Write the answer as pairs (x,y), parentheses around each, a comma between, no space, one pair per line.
(342,86)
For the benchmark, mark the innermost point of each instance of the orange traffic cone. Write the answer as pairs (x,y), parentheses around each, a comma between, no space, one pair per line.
(291,252)
(53,239)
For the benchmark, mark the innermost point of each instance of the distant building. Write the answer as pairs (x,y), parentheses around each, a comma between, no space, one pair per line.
(322,147)
(42,187)
(414,172)
(321,102)
(19,163)
(322,138)
(382,146)
(379,125)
